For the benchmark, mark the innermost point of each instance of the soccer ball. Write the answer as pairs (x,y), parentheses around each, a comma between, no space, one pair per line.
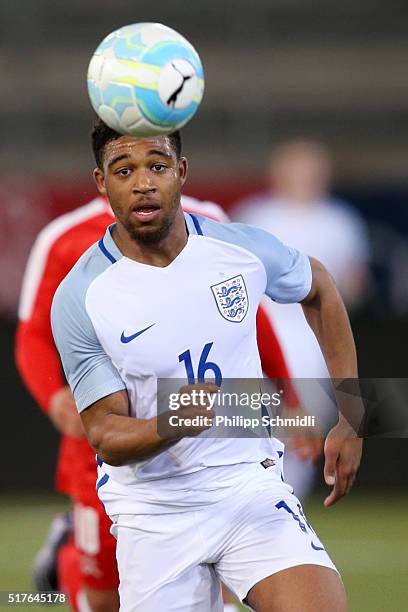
(145,79)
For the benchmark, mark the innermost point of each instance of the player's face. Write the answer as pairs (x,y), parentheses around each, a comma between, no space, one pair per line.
(142,179)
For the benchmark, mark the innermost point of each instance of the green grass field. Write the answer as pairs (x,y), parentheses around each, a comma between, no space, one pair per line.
(366,534)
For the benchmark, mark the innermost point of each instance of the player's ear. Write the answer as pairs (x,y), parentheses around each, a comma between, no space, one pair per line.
(99,179)
(183,169)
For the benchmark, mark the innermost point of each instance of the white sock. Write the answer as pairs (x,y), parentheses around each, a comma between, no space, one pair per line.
(82,602)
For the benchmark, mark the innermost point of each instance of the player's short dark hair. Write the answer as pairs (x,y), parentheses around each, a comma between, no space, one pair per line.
(102,134)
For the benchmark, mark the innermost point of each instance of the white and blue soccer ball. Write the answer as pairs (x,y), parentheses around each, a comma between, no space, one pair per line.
(145,79)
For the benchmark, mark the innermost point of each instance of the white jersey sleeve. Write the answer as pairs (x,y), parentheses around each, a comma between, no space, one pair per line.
(88,369)
(288,271)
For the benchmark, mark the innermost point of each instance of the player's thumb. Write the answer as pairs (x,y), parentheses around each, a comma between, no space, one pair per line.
(330,466)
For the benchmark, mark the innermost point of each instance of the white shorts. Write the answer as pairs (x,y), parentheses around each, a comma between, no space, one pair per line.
(174,562)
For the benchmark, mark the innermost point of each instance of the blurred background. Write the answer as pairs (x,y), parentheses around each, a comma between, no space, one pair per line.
(277,72)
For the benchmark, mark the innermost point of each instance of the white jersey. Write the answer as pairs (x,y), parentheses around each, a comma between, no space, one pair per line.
(120,324)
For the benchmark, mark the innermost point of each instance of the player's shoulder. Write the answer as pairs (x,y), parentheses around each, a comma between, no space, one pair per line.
(62,224)
(59,228)
(287,272)
(239,234)
(89,266)
(205,208)
(69,316)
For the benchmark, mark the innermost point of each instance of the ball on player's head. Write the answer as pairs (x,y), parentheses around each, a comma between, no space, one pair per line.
(145,79)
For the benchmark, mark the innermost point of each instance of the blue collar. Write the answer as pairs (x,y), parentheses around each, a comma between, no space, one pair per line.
(111,251)
(108,245)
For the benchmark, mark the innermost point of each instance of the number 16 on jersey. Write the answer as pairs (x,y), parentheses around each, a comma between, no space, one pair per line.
(204,366)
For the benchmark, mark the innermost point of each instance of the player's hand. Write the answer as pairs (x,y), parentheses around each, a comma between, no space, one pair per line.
(64,414)
(192,418)
(342,450)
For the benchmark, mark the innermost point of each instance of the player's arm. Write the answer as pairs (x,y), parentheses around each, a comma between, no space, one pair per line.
(292,277)
(99,391)
(327,316)
(36,356)
(119,439)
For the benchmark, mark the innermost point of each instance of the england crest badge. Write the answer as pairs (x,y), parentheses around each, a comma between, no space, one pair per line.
(231,298)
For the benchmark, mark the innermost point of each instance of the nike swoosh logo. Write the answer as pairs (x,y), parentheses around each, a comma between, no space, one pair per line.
(126,339)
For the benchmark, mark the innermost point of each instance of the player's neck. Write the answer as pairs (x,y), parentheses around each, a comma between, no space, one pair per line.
(160,254)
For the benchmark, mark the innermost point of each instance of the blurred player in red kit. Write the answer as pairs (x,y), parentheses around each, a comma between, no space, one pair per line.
(86,562)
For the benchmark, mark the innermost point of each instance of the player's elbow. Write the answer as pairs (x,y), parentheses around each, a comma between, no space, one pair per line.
(102,440)
(106,453)
(110,458)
